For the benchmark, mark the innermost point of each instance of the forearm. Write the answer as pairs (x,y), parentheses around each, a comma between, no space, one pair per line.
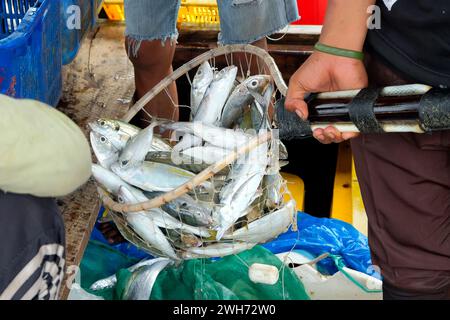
(345,24)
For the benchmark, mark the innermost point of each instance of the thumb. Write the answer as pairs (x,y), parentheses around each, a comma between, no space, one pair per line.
(295,100)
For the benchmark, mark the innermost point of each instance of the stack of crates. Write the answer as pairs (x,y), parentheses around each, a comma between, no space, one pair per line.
(193,14)
(30,50)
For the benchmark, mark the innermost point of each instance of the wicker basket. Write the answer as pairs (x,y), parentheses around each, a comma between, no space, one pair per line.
(118,210)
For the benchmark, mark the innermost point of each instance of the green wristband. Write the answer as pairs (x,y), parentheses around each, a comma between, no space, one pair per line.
(339,52)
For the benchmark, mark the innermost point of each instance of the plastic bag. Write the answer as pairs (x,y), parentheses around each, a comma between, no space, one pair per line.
(320,235)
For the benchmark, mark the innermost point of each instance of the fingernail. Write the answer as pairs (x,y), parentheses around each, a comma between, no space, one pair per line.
(300,114)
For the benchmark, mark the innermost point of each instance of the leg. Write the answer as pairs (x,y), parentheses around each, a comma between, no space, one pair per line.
(150,41)
(404,180)
(151,65)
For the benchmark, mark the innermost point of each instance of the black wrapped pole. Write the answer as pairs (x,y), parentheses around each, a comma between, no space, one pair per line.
(368,112)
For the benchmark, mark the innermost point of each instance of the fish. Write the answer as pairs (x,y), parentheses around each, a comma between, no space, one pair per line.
(216,95)
(183,240)
(272,187)
(242,96)
(142,280)
(109,180)
(149,231)
(119,133)
(220,137)
(216,250)
(211,105)
(201,82)
(111,281)
(243,182)
(159,216)
(104,150)
(185,209)
(179,160)
(138,147)
(267,227)
(153,176)
(206,154)
(260,109)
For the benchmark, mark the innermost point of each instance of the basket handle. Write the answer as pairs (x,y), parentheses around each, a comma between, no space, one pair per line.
(223,50)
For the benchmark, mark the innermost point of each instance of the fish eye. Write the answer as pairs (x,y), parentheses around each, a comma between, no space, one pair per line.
(120,199)
(103,139)
(103,123)
(124,163)
(254,83)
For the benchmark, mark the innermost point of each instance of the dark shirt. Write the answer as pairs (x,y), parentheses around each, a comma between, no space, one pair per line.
(32,253)
(415,39)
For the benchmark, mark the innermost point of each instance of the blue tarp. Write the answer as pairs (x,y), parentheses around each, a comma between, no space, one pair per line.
(321,235)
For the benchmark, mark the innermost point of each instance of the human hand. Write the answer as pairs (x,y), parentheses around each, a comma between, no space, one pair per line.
(323,72)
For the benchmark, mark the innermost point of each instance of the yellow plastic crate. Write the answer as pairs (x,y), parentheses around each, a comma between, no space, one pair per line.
(197,14)
(114,9)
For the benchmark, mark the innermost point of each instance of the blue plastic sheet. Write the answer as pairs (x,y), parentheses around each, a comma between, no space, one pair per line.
(321,235)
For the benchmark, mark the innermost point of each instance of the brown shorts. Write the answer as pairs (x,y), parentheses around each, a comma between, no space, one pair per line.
(405,184)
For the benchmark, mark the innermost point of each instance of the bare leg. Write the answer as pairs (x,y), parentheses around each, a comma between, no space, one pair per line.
(151,65)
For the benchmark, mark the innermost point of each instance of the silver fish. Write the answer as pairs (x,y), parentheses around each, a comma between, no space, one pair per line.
(119,133)
(267,227)
(211,105)
(159,216)
(140,284)
(216,250)
(153,176)
(216,95)
(272,187)
(149,231)
(217,136)
(244,180)
(110,282)
(138,147)
(241,98)
(104,150)
(179,160)
(109,180)
(206,154)
(186,209)
(260,109)
(201,82)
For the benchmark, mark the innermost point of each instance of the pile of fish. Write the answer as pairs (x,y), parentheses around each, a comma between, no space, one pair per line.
(238,208)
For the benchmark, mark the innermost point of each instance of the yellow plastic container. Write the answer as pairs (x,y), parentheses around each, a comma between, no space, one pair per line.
(296,188)
(197,14)
(114,9)
(347,203)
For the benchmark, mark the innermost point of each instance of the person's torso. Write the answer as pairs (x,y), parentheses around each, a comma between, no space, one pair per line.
(415,39)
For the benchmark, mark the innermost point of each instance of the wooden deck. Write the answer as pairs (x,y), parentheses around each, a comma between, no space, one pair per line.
(100,83)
